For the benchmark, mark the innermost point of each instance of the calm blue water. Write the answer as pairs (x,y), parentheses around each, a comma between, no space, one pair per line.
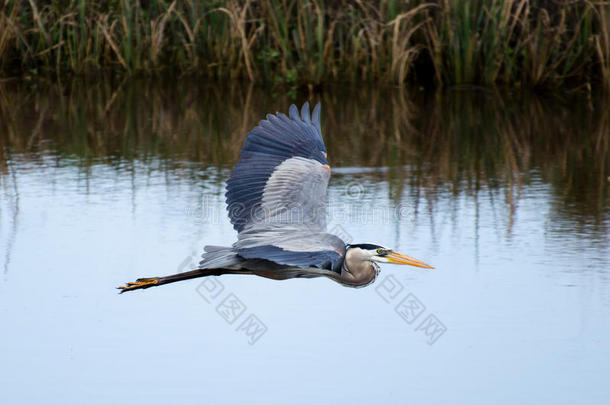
(516,310)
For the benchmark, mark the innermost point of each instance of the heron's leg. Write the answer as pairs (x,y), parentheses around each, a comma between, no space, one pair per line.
(156,281)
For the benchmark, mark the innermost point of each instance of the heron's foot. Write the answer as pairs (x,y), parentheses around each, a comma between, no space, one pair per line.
(140,283)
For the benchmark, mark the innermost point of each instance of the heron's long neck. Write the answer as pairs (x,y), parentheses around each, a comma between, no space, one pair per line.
(358,273)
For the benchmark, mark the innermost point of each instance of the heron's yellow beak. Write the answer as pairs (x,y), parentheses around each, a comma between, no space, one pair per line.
(399,258)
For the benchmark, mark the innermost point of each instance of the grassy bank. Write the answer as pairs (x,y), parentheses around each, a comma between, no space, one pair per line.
(545,43)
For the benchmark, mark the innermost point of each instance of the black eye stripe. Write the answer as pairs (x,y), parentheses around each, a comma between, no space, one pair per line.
(366,246)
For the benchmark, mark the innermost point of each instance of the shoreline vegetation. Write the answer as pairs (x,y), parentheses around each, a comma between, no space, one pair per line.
(515,43)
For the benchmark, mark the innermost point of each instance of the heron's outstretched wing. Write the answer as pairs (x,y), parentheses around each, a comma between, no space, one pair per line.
(282,172)
(276,195)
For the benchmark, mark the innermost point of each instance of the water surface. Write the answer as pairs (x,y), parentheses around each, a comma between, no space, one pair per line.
(506,194)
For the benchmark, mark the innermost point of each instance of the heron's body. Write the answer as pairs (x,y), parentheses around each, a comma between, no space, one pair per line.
(276,199)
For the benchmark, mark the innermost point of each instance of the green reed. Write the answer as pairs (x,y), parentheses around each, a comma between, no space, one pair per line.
(308,42)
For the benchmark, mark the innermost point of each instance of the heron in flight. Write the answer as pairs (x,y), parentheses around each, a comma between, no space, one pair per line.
(276,200)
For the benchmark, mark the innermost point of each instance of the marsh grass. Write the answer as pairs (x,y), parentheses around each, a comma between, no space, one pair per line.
(308,42)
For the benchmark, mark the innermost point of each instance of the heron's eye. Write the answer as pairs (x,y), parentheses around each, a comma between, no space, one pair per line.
(379,251)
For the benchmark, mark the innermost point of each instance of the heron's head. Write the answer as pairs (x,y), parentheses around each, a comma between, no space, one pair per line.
(381,254)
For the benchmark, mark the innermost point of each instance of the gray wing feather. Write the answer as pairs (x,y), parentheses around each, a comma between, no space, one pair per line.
(316,118)
(296,194)
(305,113)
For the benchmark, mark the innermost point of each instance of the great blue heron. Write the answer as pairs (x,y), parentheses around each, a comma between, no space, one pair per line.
(276,198)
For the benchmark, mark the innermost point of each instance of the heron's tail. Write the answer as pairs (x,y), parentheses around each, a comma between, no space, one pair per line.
(219,257)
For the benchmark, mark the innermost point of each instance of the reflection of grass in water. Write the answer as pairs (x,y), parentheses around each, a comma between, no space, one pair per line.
(485,142)
(461,141)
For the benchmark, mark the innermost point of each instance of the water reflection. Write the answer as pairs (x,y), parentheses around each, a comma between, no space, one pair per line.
(459,142)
